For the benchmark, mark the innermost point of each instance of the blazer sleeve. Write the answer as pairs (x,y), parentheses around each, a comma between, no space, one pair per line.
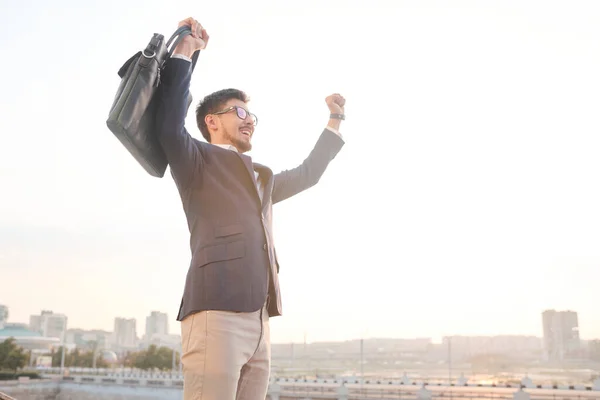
(291,182)
(183,154)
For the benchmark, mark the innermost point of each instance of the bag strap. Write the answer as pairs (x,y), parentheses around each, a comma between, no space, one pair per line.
(177,37)
(182,29)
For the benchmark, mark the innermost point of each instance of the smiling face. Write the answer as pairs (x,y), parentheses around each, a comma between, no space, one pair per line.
(223,118)
(233,125)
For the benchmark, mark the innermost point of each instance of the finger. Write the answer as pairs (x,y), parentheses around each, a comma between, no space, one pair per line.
(188,21)
(196,29)
(202,39)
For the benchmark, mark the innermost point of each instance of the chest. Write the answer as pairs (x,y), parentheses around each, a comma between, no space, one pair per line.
(229,177)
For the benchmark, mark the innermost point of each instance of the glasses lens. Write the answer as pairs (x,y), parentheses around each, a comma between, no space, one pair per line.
(241,112)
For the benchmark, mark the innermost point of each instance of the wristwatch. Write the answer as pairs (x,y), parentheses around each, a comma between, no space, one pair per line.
(337,116)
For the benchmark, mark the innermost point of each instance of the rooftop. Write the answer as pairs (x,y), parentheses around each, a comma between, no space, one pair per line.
(17,330)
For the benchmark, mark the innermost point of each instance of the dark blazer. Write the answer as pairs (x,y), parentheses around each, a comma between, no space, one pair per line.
(234,265)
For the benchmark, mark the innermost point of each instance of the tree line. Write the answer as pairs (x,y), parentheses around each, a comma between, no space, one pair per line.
(153,357)
(13,358)
(160,358)
(77,358)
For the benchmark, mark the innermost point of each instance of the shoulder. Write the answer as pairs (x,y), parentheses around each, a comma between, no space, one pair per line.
(203,147)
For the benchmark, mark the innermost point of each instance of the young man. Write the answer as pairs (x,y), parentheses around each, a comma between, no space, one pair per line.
(232,285)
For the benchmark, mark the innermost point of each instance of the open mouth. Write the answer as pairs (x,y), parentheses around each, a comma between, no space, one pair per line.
(246,132)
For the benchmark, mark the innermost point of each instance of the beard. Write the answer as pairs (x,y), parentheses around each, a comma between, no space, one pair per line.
(240,143)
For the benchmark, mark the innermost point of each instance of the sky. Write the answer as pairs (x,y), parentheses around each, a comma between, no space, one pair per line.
(465,200)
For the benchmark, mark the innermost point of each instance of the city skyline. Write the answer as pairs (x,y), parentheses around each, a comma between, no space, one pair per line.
(156,322)
(465,198)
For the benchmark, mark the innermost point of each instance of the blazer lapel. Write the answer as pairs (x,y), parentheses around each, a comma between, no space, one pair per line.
(266,175)
(248,163)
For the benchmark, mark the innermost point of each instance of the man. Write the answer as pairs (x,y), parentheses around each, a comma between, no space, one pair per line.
(232,285)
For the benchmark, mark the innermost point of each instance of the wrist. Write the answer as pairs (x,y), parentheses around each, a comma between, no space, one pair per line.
(185,49)
(334,123)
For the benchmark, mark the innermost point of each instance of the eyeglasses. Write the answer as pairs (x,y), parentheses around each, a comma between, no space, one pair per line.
(242,113)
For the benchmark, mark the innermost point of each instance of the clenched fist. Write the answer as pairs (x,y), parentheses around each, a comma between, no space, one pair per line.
(191,43)
(336,103)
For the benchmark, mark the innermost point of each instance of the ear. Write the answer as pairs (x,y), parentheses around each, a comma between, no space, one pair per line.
(212,122)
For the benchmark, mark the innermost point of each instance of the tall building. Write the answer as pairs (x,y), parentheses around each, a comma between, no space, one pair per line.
(49,324)
(561,334)
(125,332)
(157,323)
(157,332)
(3,316)
(35,323)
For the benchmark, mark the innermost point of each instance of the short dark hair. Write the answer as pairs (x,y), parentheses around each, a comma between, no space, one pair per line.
(215,102)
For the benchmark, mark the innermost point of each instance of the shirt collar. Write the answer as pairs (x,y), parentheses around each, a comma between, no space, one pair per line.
(227,147)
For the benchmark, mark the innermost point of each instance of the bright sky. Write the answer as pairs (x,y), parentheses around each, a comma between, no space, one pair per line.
(465,201)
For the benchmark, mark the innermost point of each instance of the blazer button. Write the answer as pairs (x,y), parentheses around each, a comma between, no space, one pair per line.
(265,247)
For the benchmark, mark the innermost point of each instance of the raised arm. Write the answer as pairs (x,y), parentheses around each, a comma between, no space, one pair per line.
(291,182)
(180,149)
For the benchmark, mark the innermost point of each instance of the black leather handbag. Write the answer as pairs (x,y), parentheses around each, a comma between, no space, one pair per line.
(132,115)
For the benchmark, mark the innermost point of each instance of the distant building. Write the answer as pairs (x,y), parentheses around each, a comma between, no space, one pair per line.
(27,338)
(514,346)
(125,333)
(35,323)
(157,323)
(54,325)
(89,339)
(3,316)
(49,324)
(24,337)
(594,349)
(561,335)
(170,341)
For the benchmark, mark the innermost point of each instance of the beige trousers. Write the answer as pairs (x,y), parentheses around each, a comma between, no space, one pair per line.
(226,355)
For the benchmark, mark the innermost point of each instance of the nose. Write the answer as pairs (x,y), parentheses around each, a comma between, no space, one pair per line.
(249,118)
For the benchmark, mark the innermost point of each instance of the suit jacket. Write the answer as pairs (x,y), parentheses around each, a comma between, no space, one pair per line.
(234,266)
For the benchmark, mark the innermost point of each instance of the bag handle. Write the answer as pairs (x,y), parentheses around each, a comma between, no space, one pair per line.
(177,37)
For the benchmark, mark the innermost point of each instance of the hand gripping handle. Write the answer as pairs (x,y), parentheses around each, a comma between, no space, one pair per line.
(177,37)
